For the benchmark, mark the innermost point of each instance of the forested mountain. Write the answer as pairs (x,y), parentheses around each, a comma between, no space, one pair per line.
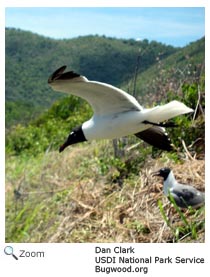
(168,74)
(31,58)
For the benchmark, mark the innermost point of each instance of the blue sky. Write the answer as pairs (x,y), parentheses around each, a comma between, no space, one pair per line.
(174,26)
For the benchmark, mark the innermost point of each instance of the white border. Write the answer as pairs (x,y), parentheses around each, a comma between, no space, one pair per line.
(106,3)
(78,259)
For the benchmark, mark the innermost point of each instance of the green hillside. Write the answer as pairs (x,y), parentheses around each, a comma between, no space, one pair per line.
(31,58)
(90,193)
(174,77)
(187,65)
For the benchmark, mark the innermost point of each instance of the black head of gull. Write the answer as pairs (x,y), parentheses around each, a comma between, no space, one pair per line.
(116,113)
(183,195)
(75,136)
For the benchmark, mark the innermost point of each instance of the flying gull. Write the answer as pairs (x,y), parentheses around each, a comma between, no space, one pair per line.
(116,113)
(183,195)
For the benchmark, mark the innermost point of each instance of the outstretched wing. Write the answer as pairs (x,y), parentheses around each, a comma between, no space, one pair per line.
(104,98)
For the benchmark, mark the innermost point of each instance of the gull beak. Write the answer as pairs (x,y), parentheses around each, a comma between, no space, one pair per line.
(156,173)
(62,147)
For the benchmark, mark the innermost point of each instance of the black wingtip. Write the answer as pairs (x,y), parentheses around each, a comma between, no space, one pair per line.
(55,75)
(157,137)
(163,124)
(60,75)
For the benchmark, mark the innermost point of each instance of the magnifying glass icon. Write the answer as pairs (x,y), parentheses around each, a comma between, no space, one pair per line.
(8,250)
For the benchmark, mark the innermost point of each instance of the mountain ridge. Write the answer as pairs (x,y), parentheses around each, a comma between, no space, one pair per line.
(31,58)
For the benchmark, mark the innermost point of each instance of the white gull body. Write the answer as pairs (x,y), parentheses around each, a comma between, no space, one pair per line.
(184,195)
(116,113)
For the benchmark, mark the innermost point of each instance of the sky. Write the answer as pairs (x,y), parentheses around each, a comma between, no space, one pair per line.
(173,26)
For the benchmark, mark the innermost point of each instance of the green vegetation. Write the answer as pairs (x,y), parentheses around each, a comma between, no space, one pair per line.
(49,129)
(31,58)
(190,223)
(89,193)
(167,77)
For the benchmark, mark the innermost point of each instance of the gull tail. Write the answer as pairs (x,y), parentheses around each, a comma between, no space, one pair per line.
(167,111)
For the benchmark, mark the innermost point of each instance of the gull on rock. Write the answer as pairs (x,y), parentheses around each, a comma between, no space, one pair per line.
(183,195)
(116,113)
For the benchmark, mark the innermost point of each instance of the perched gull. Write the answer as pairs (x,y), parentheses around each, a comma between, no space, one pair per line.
(183,195)
(116,113)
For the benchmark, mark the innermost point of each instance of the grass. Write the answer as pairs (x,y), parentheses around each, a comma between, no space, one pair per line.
(85,195)
(190,223)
